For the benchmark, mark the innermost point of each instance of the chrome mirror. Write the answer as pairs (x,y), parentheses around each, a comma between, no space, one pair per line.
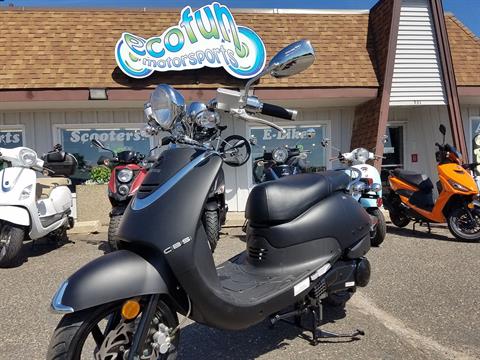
(98,144)
(292,59)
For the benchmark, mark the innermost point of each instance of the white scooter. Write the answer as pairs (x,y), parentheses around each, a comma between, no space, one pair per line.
(27,211)
(368,192)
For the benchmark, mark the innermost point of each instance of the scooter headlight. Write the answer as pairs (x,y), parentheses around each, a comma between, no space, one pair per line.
(125,175)
(28,157)
(358,188)
(25,194)
(362,155)
(280,155)
(375,187)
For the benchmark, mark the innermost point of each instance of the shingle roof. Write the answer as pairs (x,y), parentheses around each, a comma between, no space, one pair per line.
(465,47)
(59,48)
(75,48)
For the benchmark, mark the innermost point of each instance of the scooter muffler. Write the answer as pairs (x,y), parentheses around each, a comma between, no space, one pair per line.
(348,274)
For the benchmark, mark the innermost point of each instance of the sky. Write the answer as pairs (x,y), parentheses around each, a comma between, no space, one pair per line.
(468,11)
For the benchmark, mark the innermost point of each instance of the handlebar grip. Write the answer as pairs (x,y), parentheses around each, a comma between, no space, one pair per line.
(278,111)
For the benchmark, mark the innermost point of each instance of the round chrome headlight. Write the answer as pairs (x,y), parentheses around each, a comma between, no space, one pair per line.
(280,155)
(167,106)
(125,175)
(123,190)
(362,155)
(207,119)
(359,187)
(28,156)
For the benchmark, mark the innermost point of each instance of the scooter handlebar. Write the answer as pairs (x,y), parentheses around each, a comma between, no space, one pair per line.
(278,111)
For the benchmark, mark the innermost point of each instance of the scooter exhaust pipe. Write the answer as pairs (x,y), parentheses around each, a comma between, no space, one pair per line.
(348,274)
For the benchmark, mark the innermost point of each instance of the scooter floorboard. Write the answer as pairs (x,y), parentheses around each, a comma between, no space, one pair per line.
(245,285)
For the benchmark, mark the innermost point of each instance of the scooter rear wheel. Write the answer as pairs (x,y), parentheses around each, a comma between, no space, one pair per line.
(11,240)
(381,229)
(101,333)
(461,226)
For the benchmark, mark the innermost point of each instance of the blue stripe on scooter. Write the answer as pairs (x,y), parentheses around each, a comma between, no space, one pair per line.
(139,204)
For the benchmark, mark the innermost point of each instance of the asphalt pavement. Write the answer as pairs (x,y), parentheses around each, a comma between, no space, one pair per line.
(422,303)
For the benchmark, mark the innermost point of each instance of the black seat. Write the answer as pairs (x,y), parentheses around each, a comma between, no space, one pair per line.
(282,200)
(421,181)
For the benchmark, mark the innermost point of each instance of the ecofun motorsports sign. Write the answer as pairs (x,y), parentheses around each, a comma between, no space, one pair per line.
(208,37)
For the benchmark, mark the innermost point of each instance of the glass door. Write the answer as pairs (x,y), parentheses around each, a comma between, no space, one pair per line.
(393,150)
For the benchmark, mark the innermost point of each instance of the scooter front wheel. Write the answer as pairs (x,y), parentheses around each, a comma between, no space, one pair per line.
(102,333)
(112,231)
(11,240)
(463,225)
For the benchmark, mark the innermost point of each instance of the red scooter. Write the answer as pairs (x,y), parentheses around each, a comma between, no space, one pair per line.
(128,171)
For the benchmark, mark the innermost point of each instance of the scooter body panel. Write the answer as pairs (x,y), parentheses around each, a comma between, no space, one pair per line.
(15,215)
(112,277)
(13,192)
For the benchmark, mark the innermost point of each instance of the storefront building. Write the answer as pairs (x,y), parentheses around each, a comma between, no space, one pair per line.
(401,68)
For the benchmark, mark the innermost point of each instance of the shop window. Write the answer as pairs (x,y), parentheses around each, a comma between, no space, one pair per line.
(11,138)
(295,136)
(78,142)
(475,136)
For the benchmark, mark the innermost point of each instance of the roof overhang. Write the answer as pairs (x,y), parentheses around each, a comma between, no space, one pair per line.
(79,98)
(469,95)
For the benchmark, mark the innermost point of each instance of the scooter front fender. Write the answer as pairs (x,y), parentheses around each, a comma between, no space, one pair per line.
(15,215)
(112,277)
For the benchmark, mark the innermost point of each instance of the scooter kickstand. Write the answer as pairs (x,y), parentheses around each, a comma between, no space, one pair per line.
(317,333)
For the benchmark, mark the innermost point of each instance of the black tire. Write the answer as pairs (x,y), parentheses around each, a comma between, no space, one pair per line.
(71,333)
(339,298)
(11,241)
(456,229)
(399,219)
(113,231)
(380,230)
(212,228)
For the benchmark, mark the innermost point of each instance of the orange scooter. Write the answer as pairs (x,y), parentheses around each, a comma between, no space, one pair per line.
(410,196)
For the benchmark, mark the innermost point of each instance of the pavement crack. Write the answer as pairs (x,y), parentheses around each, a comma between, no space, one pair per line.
(417,340)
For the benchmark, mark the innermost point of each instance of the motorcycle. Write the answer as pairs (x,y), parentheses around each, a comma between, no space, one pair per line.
(296,254)
(368,192)
(280,162)
(410,196)
(32,208)
(128,171)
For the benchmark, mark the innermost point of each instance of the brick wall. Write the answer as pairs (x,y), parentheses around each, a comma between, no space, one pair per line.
(366,131)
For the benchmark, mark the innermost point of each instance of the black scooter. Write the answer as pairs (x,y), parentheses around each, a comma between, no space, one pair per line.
(280,162)
(296,251)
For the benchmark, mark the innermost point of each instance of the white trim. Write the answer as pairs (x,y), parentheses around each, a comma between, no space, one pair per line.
(18,127)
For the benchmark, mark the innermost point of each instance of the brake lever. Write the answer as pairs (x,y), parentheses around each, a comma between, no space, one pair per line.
(242,114)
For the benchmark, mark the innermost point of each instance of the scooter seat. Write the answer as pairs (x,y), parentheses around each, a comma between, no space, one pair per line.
(421,181)
(282,200)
